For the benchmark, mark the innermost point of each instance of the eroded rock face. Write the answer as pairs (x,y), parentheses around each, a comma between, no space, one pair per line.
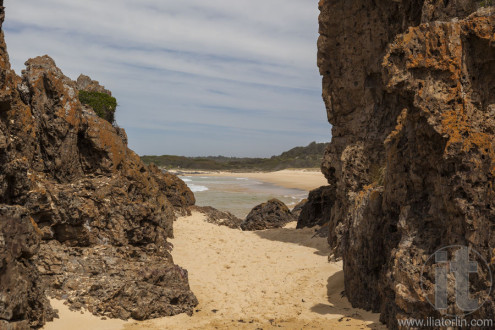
(22,299)
(408,87)
(87,192)
(272,214)
(317,209)
(176,190)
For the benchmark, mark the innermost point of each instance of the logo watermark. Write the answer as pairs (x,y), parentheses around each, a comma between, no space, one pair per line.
(456,280)
(432,322)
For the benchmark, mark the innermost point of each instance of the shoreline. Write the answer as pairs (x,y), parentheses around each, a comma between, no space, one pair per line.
(271,279)
(303,179)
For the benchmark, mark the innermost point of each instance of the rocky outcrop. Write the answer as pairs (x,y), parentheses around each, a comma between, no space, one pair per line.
(74,173)
(272,214)
(316,211)
(217,217)
(408,87)
(116,281)
(22,299)
(176,190)
(85,83)
(86,192)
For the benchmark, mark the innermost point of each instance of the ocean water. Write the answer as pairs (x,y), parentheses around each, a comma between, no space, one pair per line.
(239,195)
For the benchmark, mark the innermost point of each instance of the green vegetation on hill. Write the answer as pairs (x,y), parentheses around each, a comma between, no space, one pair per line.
(299,157)
(103,104)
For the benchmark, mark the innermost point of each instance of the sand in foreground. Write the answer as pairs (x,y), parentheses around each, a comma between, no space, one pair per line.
(248,280)
(295,179)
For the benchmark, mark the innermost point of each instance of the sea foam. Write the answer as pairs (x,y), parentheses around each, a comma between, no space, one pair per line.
(197,188)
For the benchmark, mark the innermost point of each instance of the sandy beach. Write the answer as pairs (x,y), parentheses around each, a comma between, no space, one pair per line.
(248,280)
(305,179)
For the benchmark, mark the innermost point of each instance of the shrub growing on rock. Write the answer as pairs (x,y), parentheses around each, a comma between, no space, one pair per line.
(103,104)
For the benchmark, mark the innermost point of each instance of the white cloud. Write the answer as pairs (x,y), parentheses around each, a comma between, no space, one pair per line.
(241,66)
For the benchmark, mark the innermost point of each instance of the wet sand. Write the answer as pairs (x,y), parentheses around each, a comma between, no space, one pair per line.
(247,280)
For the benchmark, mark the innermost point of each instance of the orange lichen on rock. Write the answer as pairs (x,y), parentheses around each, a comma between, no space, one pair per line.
(35,226)
(398,128)
(459,130)
(104,137)
(439,47)
(411,84)
(363,193)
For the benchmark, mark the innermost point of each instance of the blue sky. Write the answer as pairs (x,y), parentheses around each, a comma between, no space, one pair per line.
(192,77)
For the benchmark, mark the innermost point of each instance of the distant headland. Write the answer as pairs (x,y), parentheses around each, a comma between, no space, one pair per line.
(309,156)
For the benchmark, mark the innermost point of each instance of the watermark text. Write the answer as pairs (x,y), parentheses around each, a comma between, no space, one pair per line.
(446,322)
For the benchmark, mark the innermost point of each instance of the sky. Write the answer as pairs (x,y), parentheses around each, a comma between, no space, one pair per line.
(191,77)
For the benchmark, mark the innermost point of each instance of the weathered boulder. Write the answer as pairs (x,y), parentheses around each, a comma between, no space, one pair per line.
(22,295)
(217,217)
(272,214)
(408,87)
(316,211)
(87,192)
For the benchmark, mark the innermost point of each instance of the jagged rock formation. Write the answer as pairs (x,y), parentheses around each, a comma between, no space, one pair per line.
(409,89)
(269,215)
(89,196)
(85,83)
(217,217)
(316,211)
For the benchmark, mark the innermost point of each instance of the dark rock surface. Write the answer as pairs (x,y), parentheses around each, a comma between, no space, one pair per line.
(176,190)
(86,192)
(408,87)
(316,211)
(217,217)
(296,210)
(272,214)
(23,303)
